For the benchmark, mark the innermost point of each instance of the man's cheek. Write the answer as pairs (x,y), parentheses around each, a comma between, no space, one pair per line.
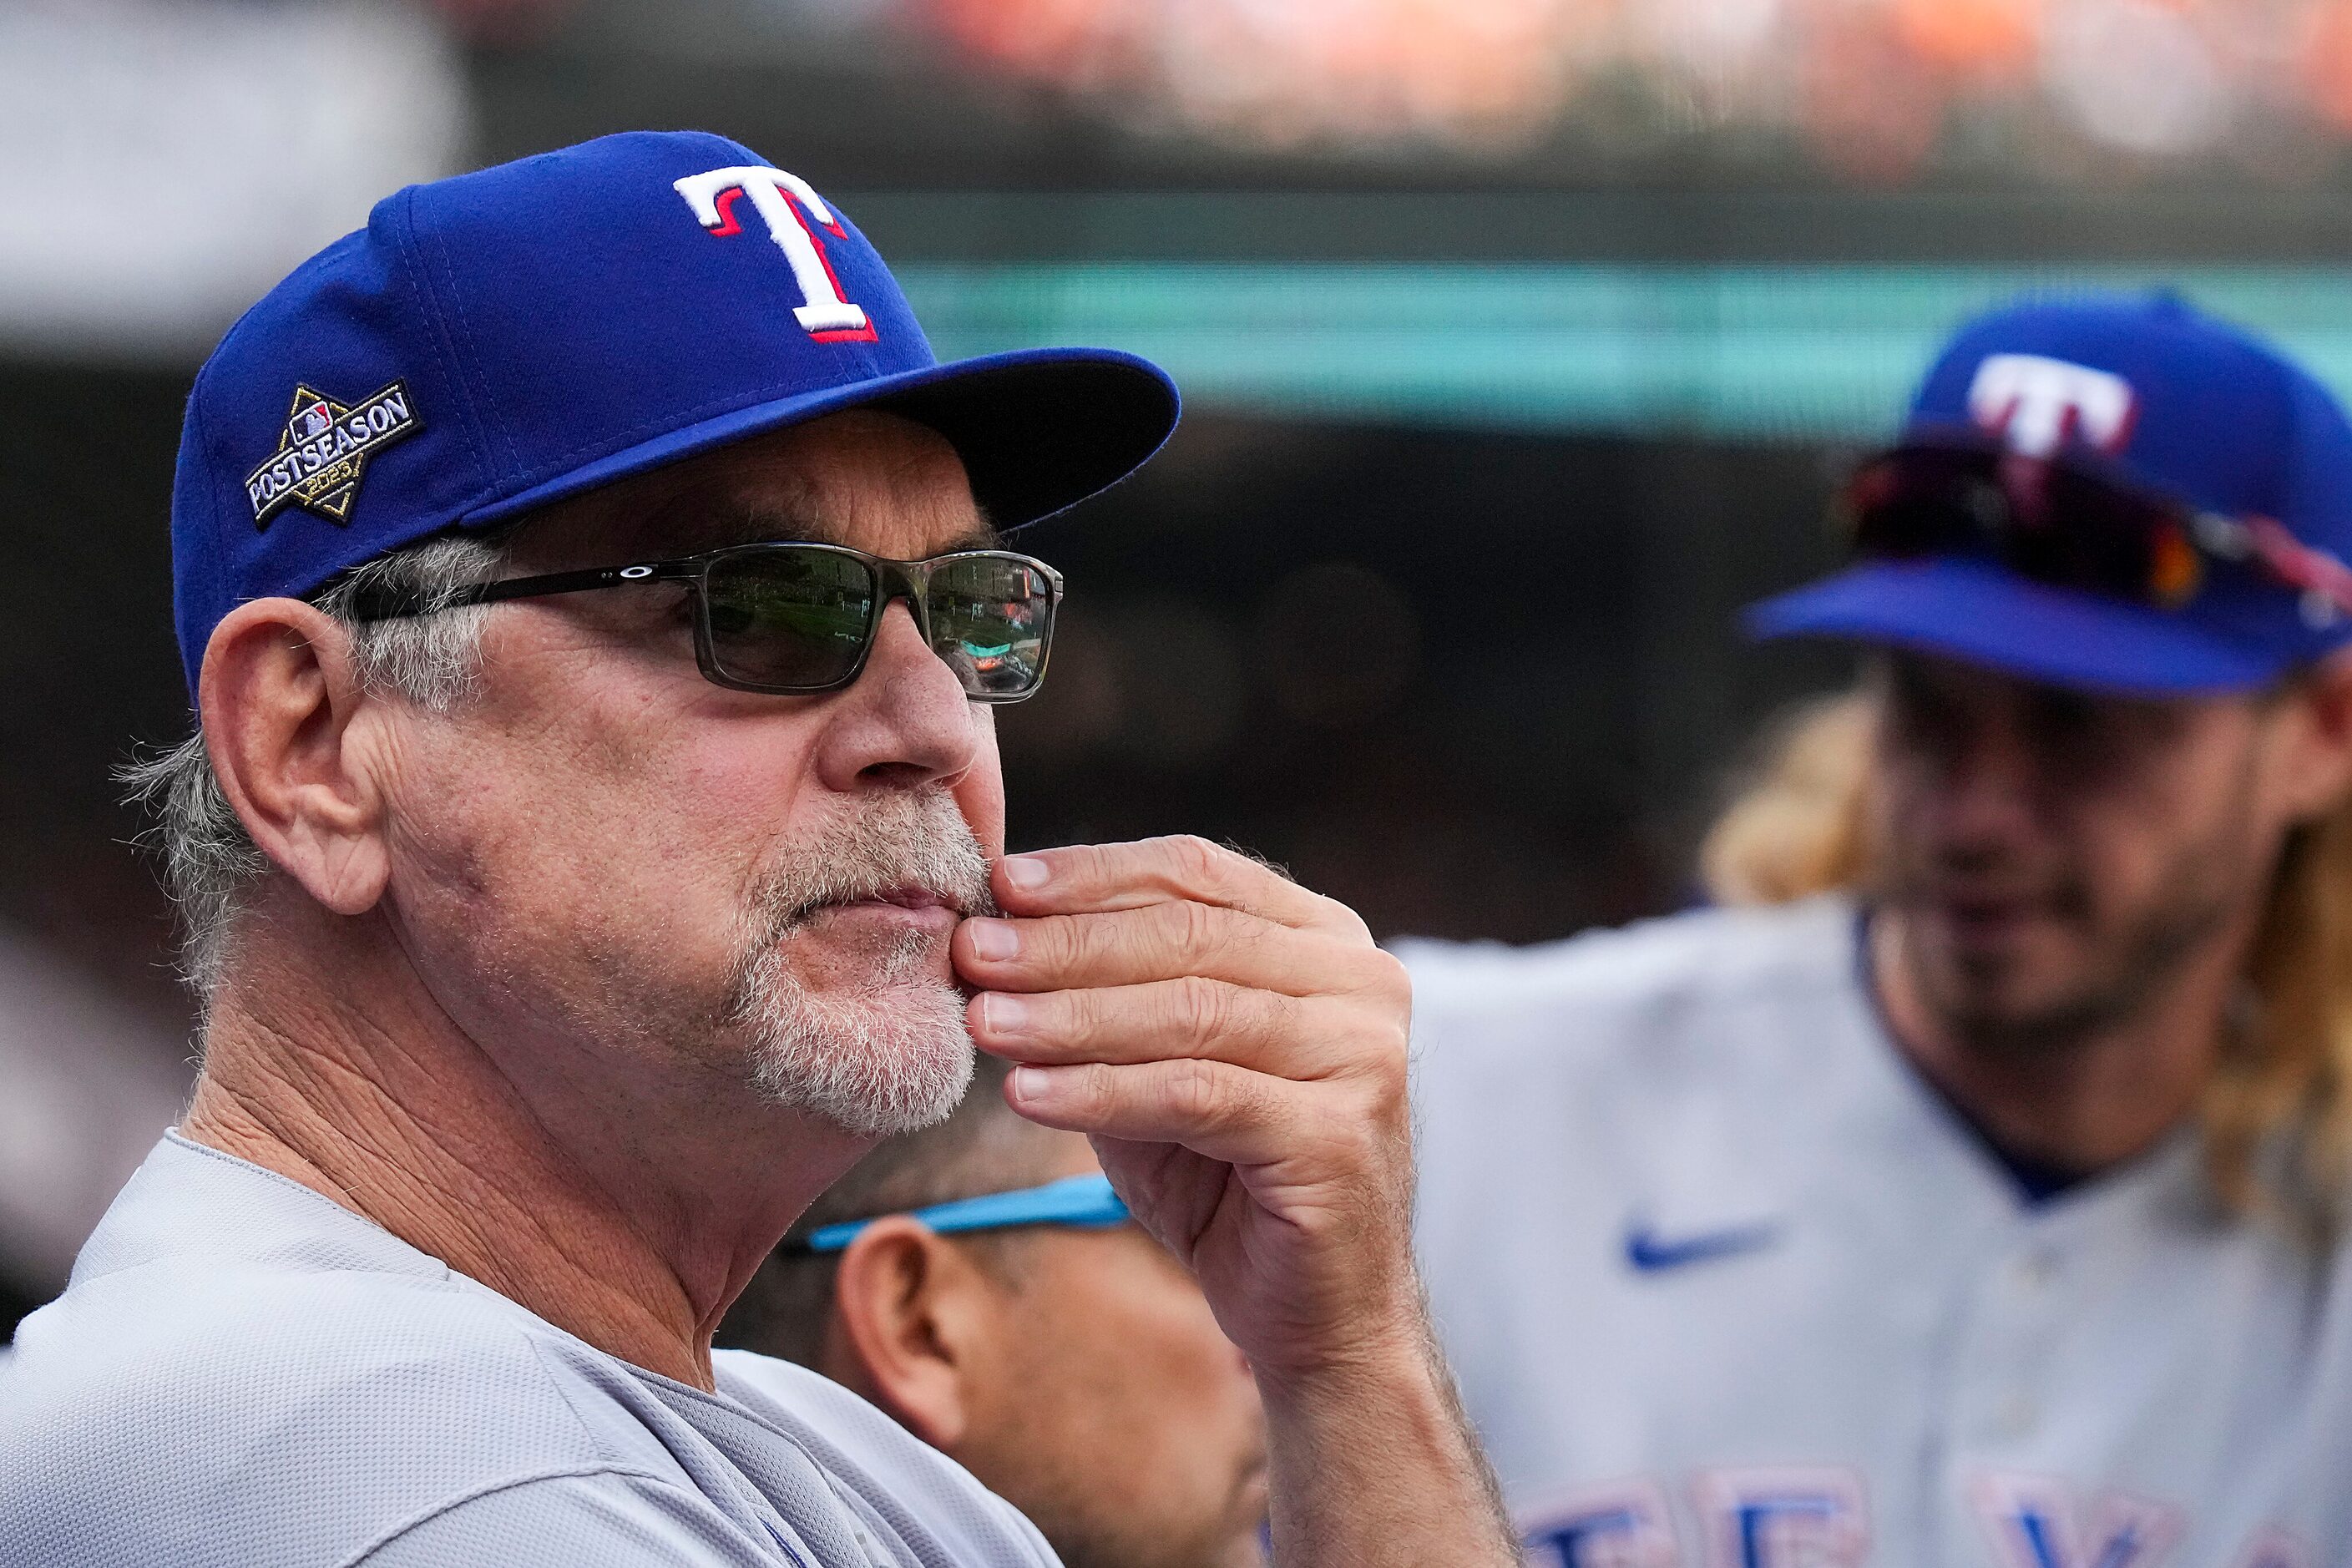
(980,794)
(1889,822)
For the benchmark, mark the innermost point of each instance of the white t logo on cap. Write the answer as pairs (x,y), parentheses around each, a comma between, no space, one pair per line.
(827,316)
(2038,405)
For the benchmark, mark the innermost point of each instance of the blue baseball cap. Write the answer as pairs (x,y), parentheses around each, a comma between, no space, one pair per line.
(2158,397)
(499,340)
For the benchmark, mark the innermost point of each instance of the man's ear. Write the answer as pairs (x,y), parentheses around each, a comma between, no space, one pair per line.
(279,694)
(913,1314)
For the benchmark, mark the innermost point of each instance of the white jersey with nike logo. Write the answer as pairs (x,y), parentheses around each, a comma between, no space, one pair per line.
(1727,1285)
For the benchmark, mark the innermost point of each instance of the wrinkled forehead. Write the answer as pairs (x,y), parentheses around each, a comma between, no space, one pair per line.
(872,481)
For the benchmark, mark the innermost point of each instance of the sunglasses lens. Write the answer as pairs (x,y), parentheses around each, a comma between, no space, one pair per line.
(1912,504)
(785,618)
(991,617)
(2040,519)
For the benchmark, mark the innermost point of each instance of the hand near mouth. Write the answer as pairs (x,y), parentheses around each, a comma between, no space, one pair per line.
(1235,1045)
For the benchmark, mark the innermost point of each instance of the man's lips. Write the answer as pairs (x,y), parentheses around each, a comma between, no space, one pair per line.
(908,898)
(924,906)
(1989,914)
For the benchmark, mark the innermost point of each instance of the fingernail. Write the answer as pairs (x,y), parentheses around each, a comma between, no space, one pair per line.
(1030,1084)
(1005,1015)
(992,939)
(1026,872)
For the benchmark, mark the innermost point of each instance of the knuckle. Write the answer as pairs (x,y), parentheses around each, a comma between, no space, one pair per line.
(1093,1089)
(1197,862)
(1390,1060)
(1200,928)
(1197,1091)
(1389,981)
(1202,1008)
(1055,941)
(1074,1016)
(1088,940)
(1352,923)
(1341,920)
(1380,1045)
(1369,1047)
(1087,865)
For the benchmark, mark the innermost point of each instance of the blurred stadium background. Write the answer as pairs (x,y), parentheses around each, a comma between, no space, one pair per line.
(1523,340)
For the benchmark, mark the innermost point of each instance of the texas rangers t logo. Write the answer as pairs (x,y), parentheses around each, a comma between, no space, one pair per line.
(2038,405)
(780,198)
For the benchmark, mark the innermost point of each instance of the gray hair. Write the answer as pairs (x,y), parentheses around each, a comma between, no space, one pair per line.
(431,659)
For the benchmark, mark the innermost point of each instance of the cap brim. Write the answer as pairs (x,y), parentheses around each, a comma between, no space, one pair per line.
(1039,430)
(1978,612)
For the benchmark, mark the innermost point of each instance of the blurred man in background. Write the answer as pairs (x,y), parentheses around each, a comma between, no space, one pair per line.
(980,1282)
(1975,1200)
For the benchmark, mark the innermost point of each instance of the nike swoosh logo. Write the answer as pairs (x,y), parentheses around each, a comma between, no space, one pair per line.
(1651,1253)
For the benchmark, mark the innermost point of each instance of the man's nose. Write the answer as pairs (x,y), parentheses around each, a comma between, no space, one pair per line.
(1987,781)
(905,720)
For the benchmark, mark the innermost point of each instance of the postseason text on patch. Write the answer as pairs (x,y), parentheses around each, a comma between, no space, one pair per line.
(322,452)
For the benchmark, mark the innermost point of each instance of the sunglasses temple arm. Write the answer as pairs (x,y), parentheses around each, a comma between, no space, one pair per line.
(2300,565)
(395,603)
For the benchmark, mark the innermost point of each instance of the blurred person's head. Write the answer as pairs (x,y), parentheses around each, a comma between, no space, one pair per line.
(2055,857)
(1073,1367)
(2104,739)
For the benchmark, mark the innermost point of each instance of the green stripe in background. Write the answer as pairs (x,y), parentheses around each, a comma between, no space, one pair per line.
(1772,352)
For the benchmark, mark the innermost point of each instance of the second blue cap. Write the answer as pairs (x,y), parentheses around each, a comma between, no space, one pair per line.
(2175,402)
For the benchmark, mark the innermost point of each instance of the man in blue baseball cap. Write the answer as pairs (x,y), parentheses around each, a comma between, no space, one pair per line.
(594,596)
(1971,1196)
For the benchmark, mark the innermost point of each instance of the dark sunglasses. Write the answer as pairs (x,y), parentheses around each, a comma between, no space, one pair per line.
(798,618)
(2060,523)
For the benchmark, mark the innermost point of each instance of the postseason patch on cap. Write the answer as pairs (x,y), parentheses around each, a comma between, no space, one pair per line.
(323,450)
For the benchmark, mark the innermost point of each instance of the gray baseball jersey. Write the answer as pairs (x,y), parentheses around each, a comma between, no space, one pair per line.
(244,1373)
(1726,1283)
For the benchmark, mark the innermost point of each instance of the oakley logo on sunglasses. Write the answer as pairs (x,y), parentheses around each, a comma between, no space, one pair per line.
(2038,405)
(827,316)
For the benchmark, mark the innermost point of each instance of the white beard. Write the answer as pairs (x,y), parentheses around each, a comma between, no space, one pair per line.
(893,1055)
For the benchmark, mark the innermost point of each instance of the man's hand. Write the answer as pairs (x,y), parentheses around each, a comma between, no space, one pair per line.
(1236,1046)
